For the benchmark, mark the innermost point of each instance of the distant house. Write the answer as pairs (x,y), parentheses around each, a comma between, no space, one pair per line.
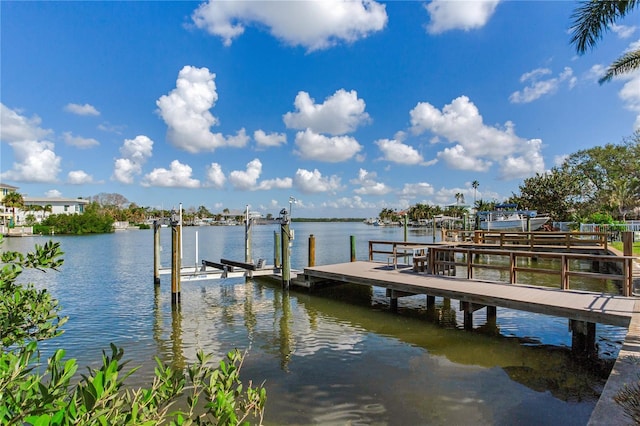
(5,212)
(39,207)
(36,206)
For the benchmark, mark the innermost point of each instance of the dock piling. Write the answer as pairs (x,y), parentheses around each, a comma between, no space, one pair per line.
(247,236)
(312,250)
(353,247)
(286,254)
(156,252)
(276,250)
(176,264)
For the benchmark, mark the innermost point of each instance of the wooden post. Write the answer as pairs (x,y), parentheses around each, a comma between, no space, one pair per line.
(286,255)
(583,338)
(406,218)
(393,300)
(433,229)
(431,302)
(352,240)
(468,315)
(247,236)
(627,243)
(176,264)
(156,252)
(276,250)
(627,266)
(492,314)
(312,250)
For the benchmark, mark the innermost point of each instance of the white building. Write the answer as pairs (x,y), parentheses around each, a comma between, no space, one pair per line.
(39,207)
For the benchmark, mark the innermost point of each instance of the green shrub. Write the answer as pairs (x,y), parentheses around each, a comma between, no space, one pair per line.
(27,315)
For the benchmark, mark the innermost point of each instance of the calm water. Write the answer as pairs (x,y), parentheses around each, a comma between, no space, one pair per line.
(332,357)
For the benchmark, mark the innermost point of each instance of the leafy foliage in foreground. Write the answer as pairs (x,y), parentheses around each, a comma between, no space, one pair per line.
(213,395)
(28,314)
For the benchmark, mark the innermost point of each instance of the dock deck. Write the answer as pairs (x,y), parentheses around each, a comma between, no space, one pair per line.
(571,304)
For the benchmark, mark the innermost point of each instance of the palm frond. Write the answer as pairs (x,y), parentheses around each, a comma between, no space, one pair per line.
(628,62)
(593,17)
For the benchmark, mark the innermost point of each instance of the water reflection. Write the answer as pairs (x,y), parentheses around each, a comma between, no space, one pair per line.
(333,357)
(286,339)
(540,367)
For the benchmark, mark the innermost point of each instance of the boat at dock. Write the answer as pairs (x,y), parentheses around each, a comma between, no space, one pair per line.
(506,218)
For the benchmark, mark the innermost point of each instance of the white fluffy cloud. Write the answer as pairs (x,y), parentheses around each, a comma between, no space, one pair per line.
(16,127)
(185,110)
(215,176)
(78,109)
(477,146)
(313,24)
(135,153)
(398,152)
(527,164)
(177,176)
(308,181)
(459,15)
(420,189)
(368,184)
(458,158)
(248,179)
(312,146)
(35,159)
(340,113)
(265,140)
(79,177)
(78,141)
(538,87)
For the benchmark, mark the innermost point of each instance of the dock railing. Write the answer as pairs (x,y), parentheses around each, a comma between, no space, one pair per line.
(532,239)
(443,260)
(383,250)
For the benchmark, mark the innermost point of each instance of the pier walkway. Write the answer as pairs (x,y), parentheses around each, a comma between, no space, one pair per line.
(576,305)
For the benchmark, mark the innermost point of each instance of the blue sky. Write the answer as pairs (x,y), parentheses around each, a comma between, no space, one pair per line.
(347,107)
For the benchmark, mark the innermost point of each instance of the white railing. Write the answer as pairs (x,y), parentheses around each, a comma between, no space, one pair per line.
(630,225)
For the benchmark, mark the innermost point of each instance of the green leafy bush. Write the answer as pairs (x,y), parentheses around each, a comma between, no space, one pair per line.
(87,223)
(214,396)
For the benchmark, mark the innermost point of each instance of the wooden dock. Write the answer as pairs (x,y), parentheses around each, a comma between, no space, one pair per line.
(575,305)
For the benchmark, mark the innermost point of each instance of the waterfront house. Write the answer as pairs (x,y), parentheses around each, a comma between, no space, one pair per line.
(39,207)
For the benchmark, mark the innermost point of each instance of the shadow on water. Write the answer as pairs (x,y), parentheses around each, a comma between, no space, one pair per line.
(543,368)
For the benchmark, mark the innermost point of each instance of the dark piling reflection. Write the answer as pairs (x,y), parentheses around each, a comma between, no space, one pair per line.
(179,361)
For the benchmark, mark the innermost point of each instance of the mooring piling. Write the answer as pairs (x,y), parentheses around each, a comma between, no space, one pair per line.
(247,236)
(276,250)
(156,252)
(352,239)
(286,253)
(312,250)
(176,264)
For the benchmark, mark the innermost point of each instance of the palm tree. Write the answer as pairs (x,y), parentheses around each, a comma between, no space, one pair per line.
(475,184)
(591,19)
(13,199)
(459,198)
